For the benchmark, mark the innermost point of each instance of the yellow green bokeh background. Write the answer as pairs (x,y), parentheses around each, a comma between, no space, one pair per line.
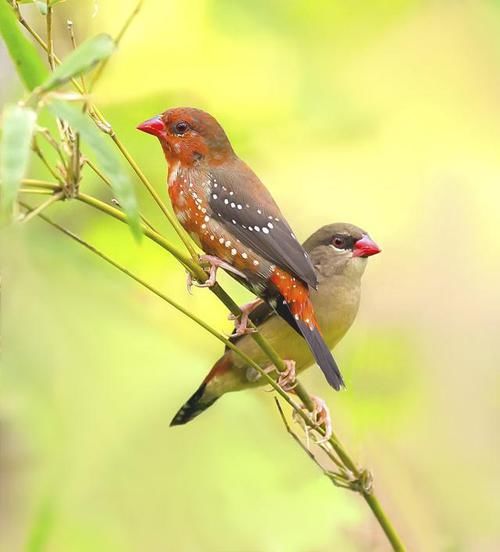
(384,114)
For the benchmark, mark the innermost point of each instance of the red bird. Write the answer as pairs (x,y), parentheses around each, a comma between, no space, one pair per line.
(231,215)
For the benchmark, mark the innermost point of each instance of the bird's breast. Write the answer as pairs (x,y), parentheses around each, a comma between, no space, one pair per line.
(189,192)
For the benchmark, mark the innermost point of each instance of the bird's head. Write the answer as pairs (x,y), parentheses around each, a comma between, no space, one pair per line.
(189,136)
(340,248)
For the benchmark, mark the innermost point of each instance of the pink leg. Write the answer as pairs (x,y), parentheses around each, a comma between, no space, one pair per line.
(241,322)
(321,417)
(215,263)
(286,379)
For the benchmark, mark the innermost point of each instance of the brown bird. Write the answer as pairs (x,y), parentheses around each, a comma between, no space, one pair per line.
(339,254)
(230,214)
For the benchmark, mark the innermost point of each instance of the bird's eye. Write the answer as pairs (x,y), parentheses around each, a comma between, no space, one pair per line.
(338,242)
(181,127)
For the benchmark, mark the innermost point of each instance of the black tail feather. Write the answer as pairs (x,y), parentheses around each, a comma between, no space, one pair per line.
(193,407)
(322,355)
(319,349)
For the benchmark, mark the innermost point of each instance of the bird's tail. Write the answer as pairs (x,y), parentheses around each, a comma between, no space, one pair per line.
(194,406)
(294,305)
(206,394)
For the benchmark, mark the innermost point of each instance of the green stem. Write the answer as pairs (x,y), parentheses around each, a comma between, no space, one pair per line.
(43,206)
(43,159)
(196,269)
(201,276)
(41,183)
(106,181)
(369,497)
(50,41)
(36,191)
(154,194)
(248,360)
(384,522)
(104,125)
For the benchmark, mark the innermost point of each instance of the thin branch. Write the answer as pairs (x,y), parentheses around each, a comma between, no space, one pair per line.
(71,30)
(50,40)
(38,210)
(248,360)
(36,191)
(202,276)
(43,159)
(41,183)
(360,478)
(101,122)
(106,181)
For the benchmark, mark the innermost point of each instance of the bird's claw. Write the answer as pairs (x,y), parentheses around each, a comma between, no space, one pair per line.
(286,378)
(319,416)
(241,320)
(214,264)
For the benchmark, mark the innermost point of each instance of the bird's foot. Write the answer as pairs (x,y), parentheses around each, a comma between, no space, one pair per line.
(320,417)
(214,264)
(286,379)
(241,321)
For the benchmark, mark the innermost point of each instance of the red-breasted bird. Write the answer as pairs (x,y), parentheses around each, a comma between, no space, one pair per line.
(231,215)
(339,254)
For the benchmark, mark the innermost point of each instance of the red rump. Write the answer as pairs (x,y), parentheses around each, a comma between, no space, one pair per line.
(296,294)
(222,366)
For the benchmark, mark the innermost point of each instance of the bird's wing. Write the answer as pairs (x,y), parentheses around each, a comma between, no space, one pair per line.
(241,203)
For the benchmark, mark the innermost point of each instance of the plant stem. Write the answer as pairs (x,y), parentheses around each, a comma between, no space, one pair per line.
(154,194)
(41,183)
(106,181)
(43,159)
(367,494)
(106,127)
(180,308)
(201,276)
(36,191)
(360,480)
(50,40)
(384,522)
(43,206)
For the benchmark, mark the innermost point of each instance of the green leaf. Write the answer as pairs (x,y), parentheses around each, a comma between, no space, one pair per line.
(18,125)
(106,158)
(23,53)
(81,60)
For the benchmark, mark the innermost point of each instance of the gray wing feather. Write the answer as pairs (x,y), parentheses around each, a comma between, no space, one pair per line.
(266,233)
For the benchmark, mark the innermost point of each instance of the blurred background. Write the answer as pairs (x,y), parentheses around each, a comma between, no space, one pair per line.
(384,114)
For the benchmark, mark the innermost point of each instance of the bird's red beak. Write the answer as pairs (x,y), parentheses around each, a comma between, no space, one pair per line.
(154,126)
(365,247)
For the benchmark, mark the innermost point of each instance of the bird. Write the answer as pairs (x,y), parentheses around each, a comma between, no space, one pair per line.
(233,218)
(339,253)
